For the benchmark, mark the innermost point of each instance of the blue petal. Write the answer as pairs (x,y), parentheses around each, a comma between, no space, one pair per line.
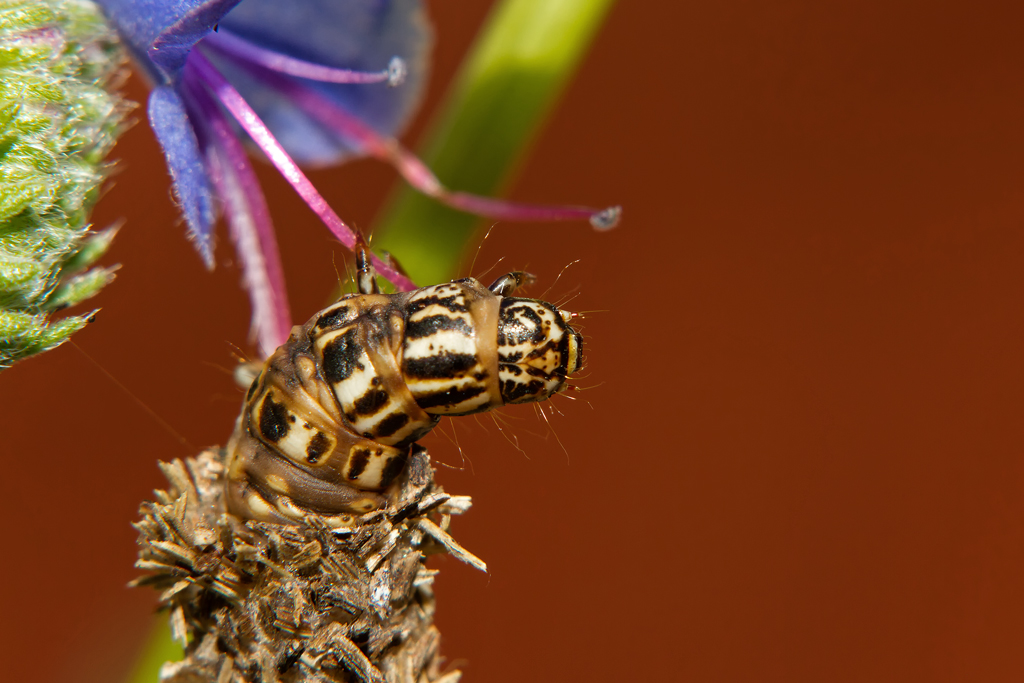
(353,34)
(159,33)
(172,46)
(170,122)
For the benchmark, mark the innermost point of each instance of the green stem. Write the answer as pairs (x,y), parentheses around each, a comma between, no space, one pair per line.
(159,648)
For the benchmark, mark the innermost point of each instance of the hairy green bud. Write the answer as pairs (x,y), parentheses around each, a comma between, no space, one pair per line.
(58,120)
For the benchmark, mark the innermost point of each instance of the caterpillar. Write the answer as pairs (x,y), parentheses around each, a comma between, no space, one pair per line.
(328,423)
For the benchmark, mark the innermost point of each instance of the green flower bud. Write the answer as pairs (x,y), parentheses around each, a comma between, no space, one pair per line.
(58,121)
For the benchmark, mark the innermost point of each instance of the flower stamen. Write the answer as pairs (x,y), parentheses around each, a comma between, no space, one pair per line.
(247,215)
(417,174)
(265,140)
(232,45)
(355,132)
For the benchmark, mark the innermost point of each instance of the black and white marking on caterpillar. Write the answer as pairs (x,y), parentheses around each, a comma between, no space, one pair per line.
(327,424)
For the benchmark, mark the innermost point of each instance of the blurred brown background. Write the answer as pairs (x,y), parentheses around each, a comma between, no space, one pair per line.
(801,456)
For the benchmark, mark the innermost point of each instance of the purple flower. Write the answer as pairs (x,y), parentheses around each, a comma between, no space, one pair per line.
(307,81)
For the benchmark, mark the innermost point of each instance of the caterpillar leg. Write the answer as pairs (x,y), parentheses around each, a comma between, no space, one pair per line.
(366,278)
(508,283)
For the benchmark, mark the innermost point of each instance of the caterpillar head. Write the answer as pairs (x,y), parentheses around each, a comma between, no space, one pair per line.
(537,350)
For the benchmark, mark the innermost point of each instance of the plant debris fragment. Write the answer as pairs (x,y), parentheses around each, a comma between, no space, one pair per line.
(255,601)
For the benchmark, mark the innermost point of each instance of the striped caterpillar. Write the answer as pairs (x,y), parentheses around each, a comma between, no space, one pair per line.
(329,421)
